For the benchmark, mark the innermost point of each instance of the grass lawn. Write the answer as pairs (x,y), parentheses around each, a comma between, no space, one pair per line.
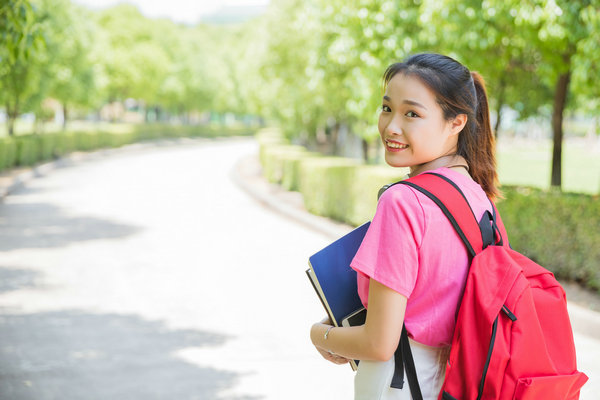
(529,162)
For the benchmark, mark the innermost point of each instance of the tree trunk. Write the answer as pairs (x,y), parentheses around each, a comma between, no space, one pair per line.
(11,116)
(560,99)
(365,151)
(10,121)
(65,114)
(501,90)
(333,138)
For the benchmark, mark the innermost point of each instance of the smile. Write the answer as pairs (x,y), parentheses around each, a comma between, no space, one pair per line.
(395,145)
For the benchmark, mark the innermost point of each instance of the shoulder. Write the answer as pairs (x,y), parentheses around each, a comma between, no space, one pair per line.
(471,190)
(399,197)
(400,206)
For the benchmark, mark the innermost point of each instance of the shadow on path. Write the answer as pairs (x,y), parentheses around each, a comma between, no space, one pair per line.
(17,278)
(40,225)
(75,355)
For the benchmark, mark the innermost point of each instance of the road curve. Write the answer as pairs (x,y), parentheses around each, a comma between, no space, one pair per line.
(148,274)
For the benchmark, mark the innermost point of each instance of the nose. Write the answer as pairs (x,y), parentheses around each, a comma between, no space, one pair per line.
(392,126)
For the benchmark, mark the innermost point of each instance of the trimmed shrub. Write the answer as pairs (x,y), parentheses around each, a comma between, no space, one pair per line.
(368,179)
(8,153)
(560,231)
(267,138)
(339,188)
(47,146)
(291,163)
(325,185)
(274,157)
(27,150)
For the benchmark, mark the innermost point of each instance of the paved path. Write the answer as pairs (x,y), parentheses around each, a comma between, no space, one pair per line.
(149,274)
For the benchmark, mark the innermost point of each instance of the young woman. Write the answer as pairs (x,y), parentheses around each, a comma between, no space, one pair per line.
(412,266)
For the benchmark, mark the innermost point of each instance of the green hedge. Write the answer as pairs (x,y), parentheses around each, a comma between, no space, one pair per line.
(277,157)
(330,186)
(28,150)
(8,153)
(560,231)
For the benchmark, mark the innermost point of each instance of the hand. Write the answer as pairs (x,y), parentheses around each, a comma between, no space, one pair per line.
(334,358)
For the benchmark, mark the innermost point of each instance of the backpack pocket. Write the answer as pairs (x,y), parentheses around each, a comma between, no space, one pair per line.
(556,387)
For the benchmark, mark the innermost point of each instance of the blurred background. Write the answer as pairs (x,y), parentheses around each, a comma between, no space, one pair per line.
(300,81)
(311,67)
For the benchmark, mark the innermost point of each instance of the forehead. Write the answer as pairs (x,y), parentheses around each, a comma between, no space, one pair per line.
(402,87)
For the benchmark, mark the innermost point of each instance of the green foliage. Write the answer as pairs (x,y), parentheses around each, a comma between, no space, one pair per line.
(8,153)
(557,230)
(27,151)
(22,41)
(20,34)
(324,183)
(291,167)
(68,68)
(312,66)
(275,157)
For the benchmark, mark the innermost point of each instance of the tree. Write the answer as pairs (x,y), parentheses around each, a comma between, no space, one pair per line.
(67,69)
(486,38)
(564,32)
(21,40)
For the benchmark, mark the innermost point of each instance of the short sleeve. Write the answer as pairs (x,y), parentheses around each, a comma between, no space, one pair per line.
(389,252)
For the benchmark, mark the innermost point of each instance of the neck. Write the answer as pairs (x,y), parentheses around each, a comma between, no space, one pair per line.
(450,161)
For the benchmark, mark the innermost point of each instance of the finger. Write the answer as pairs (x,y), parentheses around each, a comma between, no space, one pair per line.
(339,360)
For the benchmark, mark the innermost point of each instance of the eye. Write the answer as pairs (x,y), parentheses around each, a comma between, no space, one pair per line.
(414,114)
(385,108)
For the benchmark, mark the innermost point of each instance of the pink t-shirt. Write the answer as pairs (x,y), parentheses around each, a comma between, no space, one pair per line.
(412,248)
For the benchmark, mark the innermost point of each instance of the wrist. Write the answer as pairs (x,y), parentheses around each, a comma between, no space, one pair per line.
(317,334)
(326,334)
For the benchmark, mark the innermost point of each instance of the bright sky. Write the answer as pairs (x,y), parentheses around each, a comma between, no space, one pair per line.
(186,11)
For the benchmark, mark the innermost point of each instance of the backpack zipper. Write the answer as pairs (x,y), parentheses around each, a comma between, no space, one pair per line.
(508,313)
(489,356)
(513,318)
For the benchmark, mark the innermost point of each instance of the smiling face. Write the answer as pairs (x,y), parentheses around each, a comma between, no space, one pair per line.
(411,124)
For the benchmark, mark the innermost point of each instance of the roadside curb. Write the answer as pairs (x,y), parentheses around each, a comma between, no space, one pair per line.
(247,174)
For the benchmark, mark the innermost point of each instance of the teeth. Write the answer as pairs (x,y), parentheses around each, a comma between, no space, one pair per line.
(396,145)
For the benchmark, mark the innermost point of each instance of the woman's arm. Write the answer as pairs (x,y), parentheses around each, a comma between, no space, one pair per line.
(377,339)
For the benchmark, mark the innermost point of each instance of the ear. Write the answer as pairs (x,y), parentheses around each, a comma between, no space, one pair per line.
(458,123)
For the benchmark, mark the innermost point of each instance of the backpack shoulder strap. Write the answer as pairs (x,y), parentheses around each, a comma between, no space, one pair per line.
(453,203)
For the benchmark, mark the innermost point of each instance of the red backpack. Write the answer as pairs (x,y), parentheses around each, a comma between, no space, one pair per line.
(513,337)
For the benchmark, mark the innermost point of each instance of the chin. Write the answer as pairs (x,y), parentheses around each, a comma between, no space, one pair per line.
(394,162)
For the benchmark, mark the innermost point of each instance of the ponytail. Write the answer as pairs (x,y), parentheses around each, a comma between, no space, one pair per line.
(476,143)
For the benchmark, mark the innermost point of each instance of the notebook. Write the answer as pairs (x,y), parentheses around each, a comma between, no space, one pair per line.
(334,280)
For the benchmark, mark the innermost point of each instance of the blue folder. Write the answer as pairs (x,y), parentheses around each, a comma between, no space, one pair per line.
(336,281)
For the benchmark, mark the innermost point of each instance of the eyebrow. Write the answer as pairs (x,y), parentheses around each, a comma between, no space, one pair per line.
(411,102)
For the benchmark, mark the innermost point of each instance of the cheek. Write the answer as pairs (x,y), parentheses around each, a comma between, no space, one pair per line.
(381,124)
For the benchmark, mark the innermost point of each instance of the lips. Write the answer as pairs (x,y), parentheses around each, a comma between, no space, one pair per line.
(393,145)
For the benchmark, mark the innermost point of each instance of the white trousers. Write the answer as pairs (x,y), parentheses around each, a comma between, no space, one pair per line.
(373,378)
